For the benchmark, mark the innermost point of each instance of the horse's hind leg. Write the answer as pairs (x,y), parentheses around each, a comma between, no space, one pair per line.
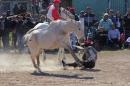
(33,61)
(38,64)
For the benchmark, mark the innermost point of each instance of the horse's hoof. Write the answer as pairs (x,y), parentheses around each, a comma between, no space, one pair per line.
(64,68)
(39,70)
(35,71)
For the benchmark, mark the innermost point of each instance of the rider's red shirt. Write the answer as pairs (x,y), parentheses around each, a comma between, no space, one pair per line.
(55,14)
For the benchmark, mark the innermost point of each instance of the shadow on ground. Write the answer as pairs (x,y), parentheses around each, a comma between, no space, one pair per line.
(92,70)
(72,76)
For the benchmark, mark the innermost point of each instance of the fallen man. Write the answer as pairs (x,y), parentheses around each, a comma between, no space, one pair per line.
(88,59)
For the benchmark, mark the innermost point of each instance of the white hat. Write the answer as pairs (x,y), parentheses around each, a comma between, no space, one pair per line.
(106,14)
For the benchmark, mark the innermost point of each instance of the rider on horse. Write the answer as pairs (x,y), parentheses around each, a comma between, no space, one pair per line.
(53,11)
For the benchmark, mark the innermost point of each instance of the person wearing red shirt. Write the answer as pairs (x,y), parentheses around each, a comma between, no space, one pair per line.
(53,11)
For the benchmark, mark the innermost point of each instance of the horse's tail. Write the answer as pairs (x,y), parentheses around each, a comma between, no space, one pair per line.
(25,39)
(28,32)
(26,36)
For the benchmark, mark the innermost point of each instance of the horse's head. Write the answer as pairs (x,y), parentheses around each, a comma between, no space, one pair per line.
(65,14)
(74,26)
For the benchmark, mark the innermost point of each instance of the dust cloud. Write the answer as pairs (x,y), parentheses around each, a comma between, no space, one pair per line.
(13,62)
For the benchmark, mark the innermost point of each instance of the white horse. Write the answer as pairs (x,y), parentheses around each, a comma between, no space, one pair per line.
(52,37)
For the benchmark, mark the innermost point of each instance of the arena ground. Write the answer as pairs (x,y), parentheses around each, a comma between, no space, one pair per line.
(112,69)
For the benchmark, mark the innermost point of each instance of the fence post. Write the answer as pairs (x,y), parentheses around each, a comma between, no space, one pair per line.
(126,5)
(109,4)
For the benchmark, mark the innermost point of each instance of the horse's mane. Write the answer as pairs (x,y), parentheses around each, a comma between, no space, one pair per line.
(55,24)
(67,13)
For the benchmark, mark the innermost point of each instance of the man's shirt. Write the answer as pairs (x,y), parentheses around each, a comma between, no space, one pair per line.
(114,34)
(106,24)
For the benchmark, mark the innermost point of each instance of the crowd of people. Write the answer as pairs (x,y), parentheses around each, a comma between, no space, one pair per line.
(112,30)
(12,29)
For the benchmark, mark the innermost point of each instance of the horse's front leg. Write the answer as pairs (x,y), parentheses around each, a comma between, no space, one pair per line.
(35,58)
(61,54)
(38,61)
(33,61)
(74,56)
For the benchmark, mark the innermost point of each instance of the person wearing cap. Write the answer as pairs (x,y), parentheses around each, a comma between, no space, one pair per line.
(104,26)
(53,11)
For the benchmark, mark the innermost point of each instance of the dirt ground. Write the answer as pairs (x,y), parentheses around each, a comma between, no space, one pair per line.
(112,69)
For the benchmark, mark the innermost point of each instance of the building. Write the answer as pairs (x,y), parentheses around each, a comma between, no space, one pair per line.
(100,6)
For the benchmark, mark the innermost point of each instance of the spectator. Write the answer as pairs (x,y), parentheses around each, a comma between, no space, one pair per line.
(89,21)
(119,22)
(128,42)
(81,15)
(27,25)
(111,15)
(16,9)
(13,30)
(37,8)
(7,28)
(105,25)
(1,28)
(107,10)
(72,10)
(45,3)
(114,37)
(22,9)
(73,40)
(122,40)
(127,24)
(20,33)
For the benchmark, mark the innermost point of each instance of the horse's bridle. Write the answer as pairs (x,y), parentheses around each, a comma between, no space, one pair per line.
(67,13)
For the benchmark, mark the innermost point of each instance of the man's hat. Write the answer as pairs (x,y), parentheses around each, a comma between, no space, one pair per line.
(56,1)
(106,14)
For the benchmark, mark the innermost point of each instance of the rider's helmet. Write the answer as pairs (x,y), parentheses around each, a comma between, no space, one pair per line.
(56,1)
